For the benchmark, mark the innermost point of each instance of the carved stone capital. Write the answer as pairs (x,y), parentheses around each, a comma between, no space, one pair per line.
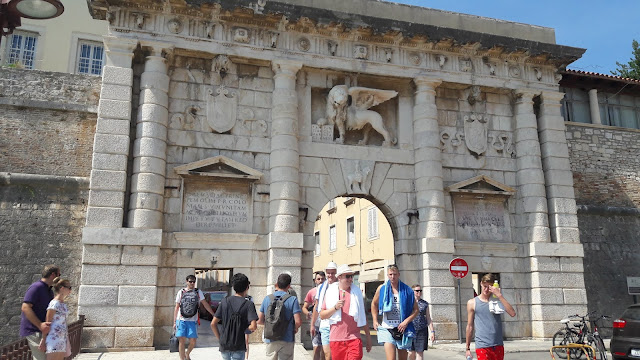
(286,67)
(158,48)
(426,83)
(119,51)
(525,95)
(552,97)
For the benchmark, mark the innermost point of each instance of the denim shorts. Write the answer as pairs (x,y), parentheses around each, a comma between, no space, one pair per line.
(384,336)
(324,335)
(232,355)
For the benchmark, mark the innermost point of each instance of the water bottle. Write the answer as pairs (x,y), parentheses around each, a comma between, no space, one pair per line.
(495,285)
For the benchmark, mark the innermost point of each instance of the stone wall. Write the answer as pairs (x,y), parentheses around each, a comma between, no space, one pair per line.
(605,163)
(47,122)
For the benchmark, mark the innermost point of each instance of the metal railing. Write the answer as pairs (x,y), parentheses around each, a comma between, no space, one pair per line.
(19,350)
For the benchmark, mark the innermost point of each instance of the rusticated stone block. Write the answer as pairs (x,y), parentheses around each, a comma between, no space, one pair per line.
(98,295)
(137,295)
(126,337)
(97,337)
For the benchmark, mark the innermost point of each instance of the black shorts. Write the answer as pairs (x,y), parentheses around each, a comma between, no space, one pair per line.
(421,341)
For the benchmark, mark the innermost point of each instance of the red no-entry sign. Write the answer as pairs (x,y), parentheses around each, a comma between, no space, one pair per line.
(458,268)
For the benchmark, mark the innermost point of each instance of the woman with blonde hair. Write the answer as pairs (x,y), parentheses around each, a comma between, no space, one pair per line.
(56,341)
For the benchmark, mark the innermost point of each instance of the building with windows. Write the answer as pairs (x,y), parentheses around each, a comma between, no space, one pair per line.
(600,99)
(70,43)
(354,231)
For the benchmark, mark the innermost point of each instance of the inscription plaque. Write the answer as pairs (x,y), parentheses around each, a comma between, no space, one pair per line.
(217,208)
(481,219)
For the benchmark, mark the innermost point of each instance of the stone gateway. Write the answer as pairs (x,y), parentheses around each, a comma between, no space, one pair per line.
(237,147)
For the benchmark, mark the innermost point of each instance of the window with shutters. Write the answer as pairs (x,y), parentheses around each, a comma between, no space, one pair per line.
(351,232)
(372,221)
(316,236)
(21,49)
(332,238)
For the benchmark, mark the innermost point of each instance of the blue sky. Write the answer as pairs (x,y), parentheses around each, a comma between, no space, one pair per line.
(604,27)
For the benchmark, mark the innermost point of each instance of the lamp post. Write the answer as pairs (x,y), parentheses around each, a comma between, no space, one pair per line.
(12,10)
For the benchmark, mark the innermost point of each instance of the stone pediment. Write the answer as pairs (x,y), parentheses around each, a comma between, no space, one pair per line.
(218,167)
(481,184)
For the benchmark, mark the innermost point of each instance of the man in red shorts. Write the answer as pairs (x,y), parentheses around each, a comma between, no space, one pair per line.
(484,314)
(343,305)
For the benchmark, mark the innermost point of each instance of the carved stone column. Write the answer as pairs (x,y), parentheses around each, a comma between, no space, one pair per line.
(111,141)
(531,207)
(284,159)
(150,147)
(563,220)
(285,238)
(434,248)
(557,282)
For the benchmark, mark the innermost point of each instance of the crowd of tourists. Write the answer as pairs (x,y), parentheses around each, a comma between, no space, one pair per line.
(335,308)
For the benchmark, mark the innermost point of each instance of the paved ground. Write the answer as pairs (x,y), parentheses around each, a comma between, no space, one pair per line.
(515,350)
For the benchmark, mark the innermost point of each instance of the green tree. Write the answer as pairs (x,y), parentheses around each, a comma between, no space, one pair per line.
(632,69)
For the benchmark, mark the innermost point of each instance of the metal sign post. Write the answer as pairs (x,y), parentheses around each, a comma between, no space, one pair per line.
(459,269)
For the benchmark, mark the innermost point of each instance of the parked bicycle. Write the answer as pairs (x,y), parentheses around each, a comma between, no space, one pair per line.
(580,333)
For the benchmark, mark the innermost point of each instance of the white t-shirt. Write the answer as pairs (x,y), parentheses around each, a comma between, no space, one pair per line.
(179,295)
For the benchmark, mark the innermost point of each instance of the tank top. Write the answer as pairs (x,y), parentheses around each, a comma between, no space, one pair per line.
(392,319)
(488,326)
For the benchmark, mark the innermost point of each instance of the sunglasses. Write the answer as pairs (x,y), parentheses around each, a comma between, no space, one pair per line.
(417,290)
(349,276)
(68,287)
(191,281)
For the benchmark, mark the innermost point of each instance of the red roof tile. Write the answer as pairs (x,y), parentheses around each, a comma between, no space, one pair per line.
(602,76)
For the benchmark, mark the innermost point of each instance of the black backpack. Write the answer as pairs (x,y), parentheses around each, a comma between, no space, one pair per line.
(232,338)
(276,322)
(189,301)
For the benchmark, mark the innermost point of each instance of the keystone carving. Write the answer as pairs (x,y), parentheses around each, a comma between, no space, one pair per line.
(358,174)
(388,54)
(357,115)
(221,65)
(139,19)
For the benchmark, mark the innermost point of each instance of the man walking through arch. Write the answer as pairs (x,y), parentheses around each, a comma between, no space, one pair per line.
(394,300)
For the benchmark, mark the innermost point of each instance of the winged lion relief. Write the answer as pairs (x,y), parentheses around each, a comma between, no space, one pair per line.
(348,109)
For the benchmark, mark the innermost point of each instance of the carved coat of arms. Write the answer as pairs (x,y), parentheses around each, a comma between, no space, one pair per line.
(475,133)
(221,109)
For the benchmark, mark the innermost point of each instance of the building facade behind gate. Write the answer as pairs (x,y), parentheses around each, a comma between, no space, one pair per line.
(224,127)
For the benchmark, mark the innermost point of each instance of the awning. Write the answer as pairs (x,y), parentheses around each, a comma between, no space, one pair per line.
(371,275)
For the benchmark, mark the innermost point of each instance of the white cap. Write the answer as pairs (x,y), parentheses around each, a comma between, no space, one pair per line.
(331,265)
(344,269)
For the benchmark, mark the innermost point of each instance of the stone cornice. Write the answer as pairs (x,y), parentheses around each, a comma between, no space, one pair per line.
(280,16)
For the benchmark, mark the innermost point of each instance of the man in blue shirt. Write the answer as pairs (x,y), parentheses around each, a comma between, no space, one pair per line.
(282,349)
(34,310)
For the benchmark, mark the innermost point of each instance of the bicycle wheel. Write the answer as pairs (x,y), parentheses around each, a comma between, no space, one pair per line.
(562,337)
(601,348)
(598,346)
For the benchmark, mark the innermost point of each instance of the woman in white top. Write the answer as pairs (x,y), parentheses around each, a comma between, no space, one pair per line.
(56,342)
